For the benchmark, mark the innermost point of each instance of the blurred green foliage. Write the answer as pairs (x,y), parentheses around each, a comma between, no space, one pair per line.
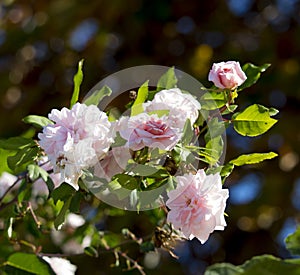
(41,43)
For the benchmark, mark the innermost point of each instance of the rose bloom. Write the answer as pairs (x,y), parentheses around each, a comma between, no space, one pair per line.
(114,163)
(150,131)
(78,139)
(181,106)
(60,266)
(197,205)
(227,75)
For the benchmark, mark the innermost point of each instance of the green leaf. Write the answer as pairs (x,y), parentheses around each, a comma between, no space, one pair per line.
(35,171)
(63,192)
(23,263)
(23,156)
(126,181)
(97,96)
(188,133)
(75,202)
(215,128)
(223,269)
(213,100)
(253,121)
(142,95)
(141,169)
(37,121)
(16,143)
(253,158)
(77,82)
(264,264)
(60,218)
(273,111)
(167,80)
(253,74)
(216,145)
(292,242)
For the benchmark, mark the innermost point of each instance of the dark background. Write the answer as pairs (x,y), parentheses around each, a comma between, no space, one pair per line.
(41,43)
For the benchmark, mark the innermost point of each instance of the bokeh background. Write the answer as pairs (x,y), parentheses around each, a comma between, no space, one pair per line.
(41,43)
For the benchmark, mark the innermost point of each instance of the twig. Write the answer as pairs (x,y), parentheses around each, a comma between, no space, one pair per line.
(19,177)
(135,263)
(29,207)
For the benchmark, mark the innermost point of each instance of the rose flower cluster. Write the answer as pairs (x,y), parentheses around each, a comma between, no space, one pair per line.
(83,137)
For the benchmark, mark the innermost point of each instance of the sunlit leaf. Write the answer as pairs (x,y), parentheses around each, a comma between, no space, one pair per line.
(23,156)
(37,121)
(16,143)
(213,100)
(292,242)
(253,74)
(142,95)
(188,133)
(97,96)
(167,80)
(253,121)
(253,158)
(77,82)
(264,264)
(24,263)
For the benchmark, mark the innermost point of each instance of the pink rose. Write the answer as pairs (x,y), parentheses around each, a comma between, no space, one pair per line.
(227,75)
(181,106)
(114,163)
(150,131)
(197,205)
(76,141)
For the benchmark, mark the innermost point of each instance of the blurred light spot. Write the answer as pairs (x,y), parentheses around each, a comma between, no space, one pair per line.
(281,23)
(83,33)
(213,39)
(288,161)
(152,259)
(29,24)
(41,50)
(57,44)
(185,25)
(239,7)
(288,228)
(275,141)
(176,47)
(113,41)
(291,66)
(246,40)
(267,216)
(286,7)
(270,13)
(46,79)
(296,194)
(170,30)
(12,97)
(2,36)
(200,61)
(28,52)
(15,15)
(255,21)
(16,75)
(40,18)
(277,99)
(247,224)
(246,190)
